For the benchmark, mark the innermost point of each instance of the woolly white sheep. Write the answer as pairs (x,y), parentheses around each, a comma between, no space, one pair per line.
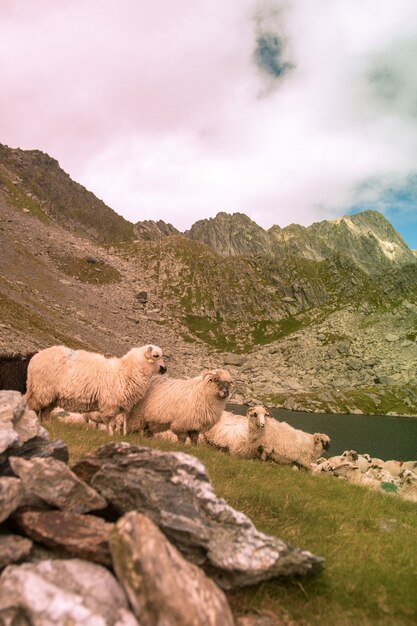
(287,445)
(240,435)
(408,489)
(76,380)
(187,407)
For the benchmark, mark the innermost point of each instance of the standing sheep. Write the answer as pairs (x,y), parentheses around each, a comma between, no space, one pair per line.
(238,434)
(77,380)
(187,407)
(13,371)
(287,445)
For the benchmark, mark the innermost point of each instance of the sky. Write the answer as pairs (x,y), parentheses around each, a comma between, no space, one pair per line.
(290,111)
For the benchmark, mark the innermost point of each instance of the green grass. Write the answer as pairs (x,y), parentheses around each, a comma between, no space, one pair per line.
(20,199)
(25,319)
(88,270)
(369,540)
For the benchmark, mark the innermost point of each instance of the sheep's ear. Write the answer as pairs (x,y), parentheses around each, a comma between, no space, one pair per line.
(148,352)
(207,373)
(317,438)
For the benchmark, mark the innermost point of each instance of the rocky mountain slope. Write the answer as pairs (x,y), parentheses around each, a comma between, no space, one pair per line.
(317,318)
(366,238)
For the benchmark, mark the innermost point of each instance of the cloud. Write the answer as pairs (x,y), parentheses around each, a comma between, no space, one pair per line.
(155,107)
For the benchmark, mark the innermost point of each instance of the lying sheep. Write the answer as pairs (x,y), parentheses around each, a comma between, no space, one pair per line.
(187,407)
(13,371)
(408,489)
(363,461)
(287,445)
(240,435)
(393,467)
(76,380)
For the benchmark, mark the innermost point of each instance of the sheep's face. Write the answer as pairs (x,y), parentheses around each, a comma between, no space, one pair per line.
(257,416)
(220,382)
(408,477)
(351,455)
(322,441)
(154,356)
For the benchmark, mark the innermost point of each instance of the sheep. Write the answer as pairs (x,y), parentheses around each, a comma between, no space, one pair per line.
(13,371)
(76,380)
(187,407)
(363,461)
(393,467)
(408,489)
(410,465)
(238,434)
(287,445)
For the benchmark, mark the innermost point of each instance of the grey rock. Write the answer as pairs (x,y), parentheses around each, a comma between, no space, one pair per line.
(11,495)
(13,548)
(162,587)
(17,422)
(8,435)
(391,337)
(233,359)
(69,591)
(38,447)
(56,484)
(173,490)
(142,296)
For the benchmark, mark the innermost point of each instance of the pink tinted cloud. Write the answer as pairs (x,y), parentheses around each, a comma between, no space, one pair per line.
(80,74)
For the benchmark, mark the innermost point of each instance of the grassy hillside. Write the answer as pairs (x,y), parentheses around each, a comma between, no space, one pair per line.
(369,540)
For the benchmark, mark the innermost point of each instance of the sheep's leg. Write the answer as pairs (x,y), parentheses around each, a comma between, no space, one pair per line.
(193,435)
(93,417)
(182,437)
(45,412)
(123,429)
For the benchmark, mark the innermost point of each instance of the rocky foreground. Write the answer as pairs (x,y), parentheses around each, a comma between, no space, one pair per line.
(127,536)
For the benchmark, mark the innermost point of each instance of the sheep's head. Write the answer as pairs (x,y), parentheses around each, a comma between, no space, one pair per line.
(408,477)
(257,415)
(220,381)
(350,455)
(153,355)
(322,441)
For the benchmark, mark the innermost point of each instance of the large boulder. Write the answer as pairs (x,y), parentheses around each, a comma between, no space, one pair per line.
(17,422)
(83,536)
(11,496)
(173,490)
(53,482)
(70,591)
(162,586)
(21,433)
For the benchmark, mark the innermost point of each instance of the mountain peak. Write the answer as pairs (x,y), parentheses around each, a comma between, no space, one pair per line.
(231,234)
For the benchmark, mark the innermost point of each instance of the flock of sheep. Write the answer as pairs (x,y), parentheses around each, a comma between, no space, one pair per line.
(128,395)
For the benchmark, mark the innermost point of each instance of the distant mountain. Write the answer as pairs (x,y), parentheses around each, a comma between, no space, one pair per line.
(367,239)
(35,182)
(321,317)
(232,235)
(148,230)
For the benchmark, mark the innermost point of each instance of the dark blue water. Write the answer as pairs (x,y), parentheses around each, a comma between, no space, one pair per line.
(381,436)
